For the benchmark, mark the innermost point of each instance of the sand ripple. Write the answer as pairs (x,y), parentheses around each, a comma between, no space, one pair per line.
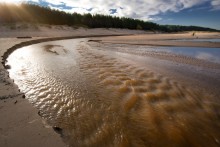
(104,101)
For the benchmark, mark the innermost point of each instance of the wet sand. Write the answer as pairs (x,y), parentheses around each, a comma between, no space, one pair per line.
(156,108)
(191,71)
(140,90)
(21,124)
(164,39)
(106,95)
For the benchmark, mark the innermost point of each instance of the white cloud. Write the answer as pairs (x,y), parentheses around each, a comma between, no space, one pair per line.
(141,9)
(154,18)
(55,2)
(216,4)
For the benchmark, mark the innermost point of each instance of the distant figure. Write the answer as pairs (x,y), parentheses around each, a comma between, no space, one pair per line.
(194,35)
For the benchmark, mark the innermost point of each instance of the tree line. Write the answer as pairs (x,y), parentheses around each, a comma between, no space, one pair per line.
(32,13)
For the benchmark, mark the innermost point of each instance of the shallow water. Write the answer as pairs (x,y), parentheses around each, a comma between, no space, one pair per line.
(103,97)
(199,40)
(208,54)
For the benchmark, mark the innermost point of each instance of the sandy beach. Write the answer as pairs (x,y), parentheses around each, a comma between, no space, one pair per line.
(165,39)
(21,125)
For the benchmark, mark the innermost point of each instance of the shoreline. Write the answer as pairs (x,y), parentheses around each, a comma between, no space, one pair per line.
(35,41)
(22,125)
(17,103)
(165,40)
(170,44)
(35,127)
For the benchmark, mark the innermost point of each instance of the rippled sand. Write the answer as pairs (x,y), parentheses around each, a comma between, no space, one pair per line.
(99,98)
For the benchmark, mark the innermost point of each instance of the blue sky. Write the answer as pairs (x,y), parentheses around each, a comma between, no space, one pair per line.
(204,13)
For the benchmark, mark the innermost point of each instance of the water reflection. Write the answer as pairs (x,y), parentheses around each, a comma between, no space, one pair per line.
(199,40)
(208,54)
(98,99)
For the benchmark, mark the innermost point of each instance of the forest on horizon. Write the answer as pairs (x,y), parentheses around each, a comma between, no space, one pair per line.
(32,13)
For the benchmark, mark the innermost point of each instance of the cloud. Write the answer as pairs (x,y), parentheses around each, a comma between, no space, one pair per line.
(216,4)
(140,9)
(54,2)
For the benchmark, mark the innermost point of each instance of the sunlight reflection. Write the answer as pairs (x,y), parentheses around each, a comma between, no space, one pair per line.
(110,96)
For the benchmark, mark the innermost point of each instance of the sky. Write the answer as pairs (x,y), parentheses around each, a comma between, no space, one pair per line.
(205,13)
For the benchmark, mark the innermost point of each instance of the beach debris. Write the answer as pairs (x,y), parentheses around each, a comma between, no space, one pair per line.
(57,130)
(15,102)
(39,113)
(23,96)
(3,97)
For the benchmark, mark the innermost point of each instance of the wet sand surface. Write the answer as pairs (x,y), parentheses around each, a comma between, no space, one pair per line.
(20,124)
(108,95)
(166,39)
